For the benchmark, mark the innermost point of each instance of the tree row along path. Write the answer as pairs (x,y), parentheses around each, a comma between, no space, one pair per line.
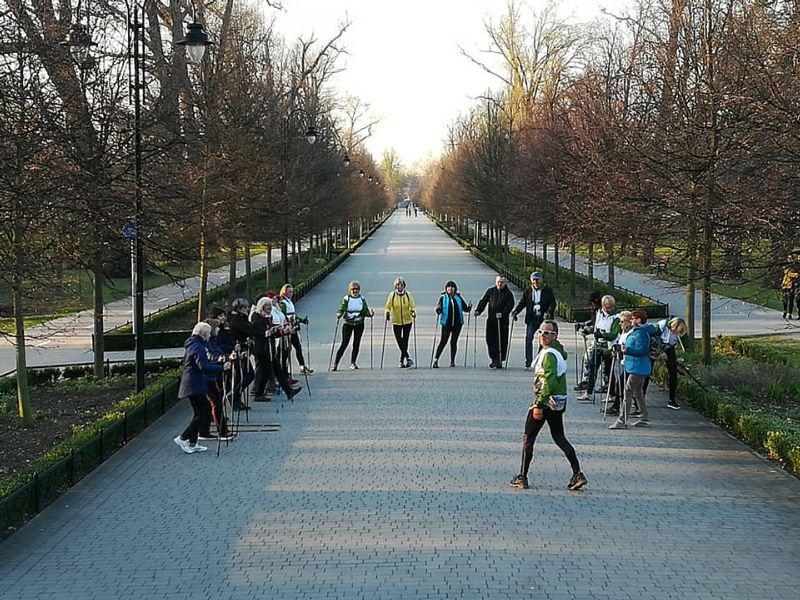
(69,339)
(393,484)
(729,316)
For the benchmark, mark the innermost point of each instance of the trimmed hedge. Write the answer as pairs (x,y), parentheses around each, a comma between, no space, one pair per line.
(121,338)
(27,492)
(626,299)
(777,438)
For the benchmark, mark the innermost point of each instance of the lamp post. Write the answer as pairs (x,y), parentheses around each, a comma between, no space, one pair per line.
(311,134)
(79,41)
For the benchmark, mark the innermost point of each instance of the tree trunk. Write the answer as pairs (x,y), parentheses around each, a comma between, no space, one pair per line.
(269,264)
(691,274)
(23,392)
(248,272)
(97,318)
(572,278)
(609,248)
(201,292)
(232,274)
(544,252)
(555,260)
(590,271)
(705,341)
(525,255)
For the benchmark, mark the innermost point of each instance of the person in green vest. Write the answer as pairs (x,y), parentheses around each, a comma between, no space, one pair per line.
(549,405)
(353,309)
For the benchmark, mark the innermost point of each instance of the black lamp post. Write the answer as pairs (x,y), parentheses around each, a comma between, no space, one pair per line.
(79,41)
(311,134)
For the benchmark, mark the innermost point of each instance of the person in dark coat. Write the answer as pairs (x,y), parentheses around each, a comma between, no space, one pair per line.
(500,303)
(450,308)
(539,304)
(197,369)
(242,373)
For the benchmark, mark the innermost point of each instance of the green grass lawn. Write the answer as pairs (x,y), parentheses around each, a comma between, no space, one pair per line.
(749,289)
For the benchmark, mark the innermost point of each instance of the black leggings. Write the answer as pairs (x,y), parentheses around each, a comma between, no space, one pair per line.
(788,302)
(451,332)
(201,420)
(298,349)
(402,333)
(555,420)
(350,330)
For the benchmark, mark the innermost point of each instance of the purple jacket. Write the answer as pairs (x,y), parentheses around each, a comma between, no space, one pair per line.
(197,369)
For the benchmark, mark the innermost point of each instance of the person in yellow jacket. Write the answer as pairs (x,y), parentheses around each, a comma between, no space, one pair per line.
(401,311)
(790,286)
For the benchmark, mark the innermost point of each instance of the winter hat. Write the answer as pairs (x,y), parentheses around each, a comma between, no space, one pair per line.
(536,275)
(451,284)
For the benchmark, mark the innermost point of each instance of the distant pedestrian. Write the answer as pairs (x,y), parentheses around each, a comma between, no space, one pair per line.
(549,405)
(499,302)
(450,308)
(401,311)
(353,309)
(790,288)
(197,369)
(539,303)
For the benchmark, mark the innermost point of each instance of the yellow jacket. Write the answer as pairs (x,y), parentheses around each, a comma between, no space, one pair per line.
(790,277)
(402,308)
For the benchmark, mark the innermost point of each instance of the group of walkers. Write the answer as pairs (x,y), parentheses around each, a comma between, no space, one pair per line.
(227,353)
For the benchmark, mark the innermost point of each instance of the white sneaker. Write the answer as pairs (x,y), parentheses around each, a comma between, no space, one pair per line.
(618,424)
(197,448)
(353,366)
(587,398)
(183,444)
(641,423)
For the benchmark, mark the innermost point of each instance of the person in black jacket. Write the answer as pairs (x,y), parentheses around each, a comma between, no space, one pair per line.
(539,303)
(500,302)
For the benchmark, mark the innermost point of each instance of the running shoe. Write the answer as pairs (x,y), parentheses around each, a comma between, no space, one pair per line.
(586,398)
(409,363)
(673,404)
(641,423)
(293,392)
(183,444)
(435,364)
(196,448)
(208,437)
(520,481)
(353,367)
(577,482)
(618,424)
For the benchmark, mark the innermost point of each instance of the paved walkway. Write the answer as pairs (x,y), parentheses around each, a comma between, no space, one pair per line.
(728,315)
(69,339)
(394,484)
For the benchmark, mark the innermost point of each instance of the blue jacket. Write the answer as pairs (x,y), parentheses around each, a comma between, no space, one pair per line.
(637,355)
(443,308)
(197,369)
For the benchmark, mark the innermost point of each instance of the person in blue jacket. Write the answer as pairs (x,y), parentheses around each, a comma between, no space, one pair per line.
(638,368)
(450,308)
(197,369)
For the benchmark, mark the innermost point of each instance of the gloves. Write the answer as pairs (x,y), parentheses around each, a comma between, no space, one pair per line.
(498,315)
(438,310)
(578,326)
(514,316)
(388,316)
(477,313)
(598,335)
(227,366)
(338,315)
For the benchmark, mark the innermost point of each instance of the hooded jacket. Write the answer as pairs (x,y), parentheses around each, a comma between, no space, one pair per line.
(451,310)
(197,369)
(402,307)
(637,351)
(353,318)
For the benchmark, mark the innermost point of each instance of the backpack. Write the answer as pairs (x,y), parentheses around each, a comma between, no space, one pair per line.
(657,345)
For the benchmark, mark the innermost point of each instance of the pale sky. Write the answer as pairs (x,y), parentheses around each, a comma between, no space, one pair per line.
(404,60)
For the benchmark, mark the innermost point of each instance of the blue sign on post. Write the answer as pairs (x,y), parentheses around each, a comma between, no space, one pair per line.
(129,231)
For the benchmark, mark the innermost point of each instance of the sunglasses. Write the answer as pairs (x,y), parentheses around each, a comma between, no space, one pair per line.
(354,289)
(546,332)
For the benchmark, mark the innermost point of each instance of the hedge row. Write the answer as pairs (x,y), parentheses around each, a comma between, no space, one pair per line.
(565,307)
(753,348)
(777,438)
(26,492)
(121,339)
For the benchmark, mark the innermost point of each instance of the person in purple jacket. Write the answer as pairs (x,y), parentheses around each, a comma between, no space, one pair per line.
(197,370)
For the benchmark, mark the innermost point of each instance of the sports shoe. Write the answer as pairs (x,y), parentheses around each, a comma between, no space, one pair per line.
(227,437)
(183,444)
(611,412)
(402,364)
(335,368)
(577,481)
(635,415)
(262,399)
(293,392)
(306,370)
(409,363)
(452,364)
(494,365)
(641,423)
(586,398)
(435,364)
(353,367)
(673,404)
(197,448)
(208,437)
(526,368)
(291,381)
(580,387)
(618,424)
(520,481)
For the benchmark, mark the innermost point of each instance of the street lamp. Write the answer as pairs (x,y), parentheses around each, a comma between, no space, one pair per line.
(196,41)
(346,161)
(311,134)
(361,173)
(79,42)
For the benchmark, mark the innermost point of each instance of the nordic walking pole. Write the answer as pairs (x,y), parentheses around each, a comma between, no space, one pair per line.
(433,348)
(466,344)
(383,345)
(475,344)
(414,329)
(305,375)
(371,319)
(576,356)
(333,346)
(510,339)
(308,344)
(499,341)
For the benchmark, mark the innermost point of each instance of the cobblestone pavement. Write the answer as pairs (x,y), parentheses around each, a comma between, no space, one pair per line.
(394,484)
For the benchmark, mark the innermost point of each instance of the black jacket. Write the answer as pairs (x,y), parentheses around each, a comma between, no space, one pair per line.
(240,328)
(547,304)
(498,301)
